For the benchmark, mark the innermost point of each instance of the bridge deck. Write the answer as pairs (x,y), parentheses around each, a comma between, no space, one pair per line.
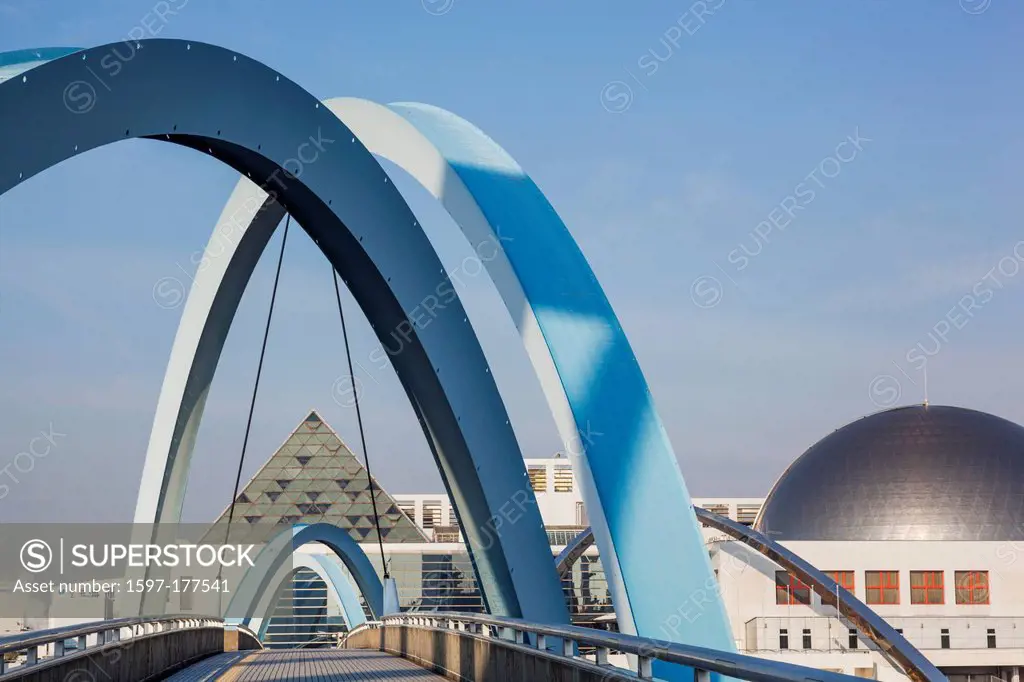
(315,665)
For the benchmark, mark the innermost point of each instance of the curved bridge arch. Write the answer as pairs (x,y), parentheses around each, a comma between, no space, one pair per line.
(591,379)
(337,584)
(272,131)
(254,601)
(893,645)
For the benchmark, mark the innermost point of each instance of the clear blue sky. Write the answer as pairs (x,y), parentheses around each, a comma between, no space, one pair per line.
(721,127)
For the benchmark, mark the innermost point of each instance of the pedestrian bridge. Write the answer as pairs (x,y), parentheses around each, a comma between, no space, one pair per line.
(317,163)
(407,646)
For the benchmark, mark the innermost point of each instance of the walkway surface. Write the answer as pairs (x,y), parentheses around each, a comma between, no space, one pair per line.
(315,665)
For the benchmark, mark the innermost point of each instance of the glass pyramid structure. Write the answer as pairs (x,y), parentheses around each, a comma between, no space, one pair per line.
(315,478)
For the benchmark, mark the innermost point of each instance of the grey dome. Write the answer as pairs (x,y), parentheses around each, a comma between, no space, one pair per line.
(910,473)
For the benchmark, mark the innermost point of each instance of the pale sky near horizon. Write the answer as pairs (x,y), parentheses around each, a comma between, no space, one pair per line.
(668,144)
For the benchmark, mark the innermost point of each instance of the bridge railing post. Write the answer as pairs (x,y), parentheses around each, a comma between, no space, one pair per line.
(644,668)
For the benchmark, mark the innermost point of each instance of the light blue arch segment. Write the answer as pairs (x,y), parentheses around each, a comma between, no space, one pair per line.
(338,585)
(254,585)
(342,588)
(19,61)
(626,451)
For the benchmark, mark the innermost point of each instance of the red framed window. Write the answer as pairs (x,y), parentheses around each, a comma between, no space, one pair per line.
(971,587)
(843,578)
(882,587)
(927,587)
(790,590)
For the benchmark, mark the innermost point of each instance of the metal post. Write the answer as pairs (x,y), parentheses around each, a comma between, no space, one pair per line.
(644,668)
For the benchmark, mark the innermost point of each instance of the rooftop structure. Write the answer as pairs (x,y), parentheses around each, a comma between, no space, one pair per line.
(910,473)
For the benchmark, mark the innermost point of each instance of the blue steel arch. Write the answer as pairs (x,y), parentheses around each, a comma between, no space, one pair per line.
(642,599)
(178,91)
(254,600)
(590,376)
(432,145)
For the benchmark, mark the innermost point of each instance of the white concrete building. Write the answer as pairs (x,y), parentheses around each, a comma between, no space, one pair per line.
(918,511)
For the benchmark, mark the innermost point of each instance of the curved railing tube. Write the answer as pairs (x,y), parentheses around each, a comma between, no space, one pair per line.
(891,644)
(703,661)
(48,646)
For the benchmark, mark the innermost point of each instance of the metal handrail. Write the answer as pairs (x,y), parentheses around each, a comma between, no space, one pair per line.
(703,661)
(892,645)
(106,631)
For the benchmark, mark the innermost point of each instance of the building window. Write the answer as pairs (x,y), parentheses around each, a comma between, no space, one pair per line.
(409,509)
(431,514)
(991,639)
(581,515)
(882,587)
(720,509)
(538,478)
(747,513)
(843,578)
(790,590)
(971,587)
(807,639)
(783,638)
(944,638)
(563,478)
(852,638)
(927,587)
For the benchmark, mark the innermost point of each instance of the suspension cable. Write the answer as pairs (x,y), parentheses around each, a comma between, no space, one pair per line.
(359,421)
(259,371)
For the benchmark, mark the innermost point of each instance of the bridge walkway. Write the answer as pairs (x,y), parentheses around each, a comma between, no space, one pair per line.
(315,665)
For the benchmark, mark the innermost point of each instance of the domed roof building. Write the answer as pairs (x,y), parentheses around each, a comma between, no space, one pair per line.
(922,472)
